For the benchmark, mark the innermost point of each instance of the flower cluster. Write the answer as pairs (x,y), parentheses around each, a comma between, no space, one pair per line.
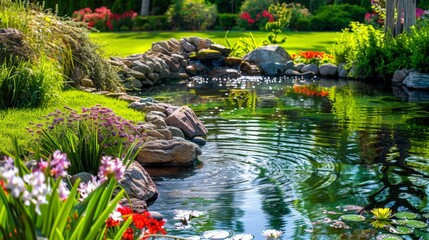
(142,223)
(259,20)
(111,168)
(309,91)
(315,57)
(33,188)
(112,130)
(103,19)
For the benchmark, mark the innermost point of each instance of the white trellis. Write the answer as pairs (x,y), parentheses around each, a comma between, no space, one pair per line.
(400,16)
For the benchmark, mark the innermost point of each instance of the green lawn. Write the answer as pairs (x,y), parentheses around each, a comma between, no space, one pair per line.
(127,43)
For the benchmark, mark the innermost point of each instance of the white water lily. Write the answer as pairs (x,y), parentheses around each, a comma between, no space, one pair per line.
(272,233)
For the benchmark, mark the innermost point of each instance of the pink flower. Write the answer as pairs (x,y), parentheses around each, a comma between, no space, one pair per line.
(59,164)
(111,168)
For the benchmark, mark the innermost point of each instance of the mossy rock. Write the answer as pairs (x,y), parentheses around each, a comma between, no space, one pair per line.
(208,54)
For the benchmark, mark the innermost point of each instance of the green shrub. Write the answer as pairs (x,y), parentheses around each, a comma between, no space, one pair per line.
(336,17)
(191,15)
(227,21)
(152,23)
(419,48)
(28,85)
(301,24)
(360,46)
(300,17)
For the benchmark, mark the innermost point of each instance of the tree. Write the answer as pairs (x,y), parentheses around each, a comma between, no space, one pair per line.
(144,10)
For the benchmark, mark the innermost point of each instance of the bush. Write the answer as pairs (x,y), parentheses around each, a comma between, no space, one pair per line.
(151,23)
(254,14)
(191,15)
(104,20)
(419,47)
(227,21)
(85,137)
(300,17)
(336,17)
(29,85)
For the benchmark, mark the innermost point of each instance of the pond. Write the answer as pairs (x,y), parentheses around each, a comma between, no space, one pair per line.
(295,155)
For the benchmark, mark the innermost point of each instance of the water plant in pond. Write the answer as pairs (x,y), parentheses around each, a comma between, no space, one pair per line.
(382,213)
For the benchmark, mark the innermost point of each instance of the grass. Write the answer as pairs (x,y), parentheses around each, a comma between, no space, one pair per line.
(127,43)
(15,121)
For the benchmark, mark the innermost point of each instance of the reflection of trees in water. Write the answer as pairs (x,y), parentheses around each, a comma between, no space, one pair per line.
(240,99)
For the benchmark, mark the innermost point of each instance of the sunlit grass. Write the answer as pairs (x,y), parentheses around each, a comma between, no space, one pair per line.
(15,121)
(127,43)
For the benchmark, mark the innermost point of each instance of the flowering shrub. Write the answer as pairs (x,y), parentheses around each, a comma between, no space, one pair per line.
(85,137)
(258,21)
(142,223)
(104,20)
(38,203)
(314,57)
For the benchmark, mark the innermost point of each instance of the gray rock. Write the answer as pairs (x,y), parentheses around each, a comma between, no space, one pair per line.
(159,113)
(199,140)
(83,176)
(133,73)
(146,126)
(400,75)
(156,215)
(174,46)
(140,67)
(154,77)
(135,83)
(266,54)
(86,82)
(290,64)
(328,70)
(138,184)
(273,68)
(188,47)
(224,73)
(154,107)
(157,120)
(221,48)
(207,54)
(168,153)
(185,119)
(416,80)
(146,82)
(164,73)
(176,132)
(298,66)
(200,43)
(147,100)
(310,68)
(154,133)
(170,109)
(342,72)
(160,47)
(166,133)
(292,72)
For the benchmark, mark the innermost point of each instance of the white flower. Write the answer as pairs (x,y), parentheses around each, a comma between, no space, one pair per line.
(272,233)
(86,188)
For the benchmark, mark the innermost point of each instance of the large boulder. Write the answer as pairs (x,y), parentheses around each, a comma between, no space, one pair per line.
(274,68)
(267,54)
(186,120)
(328,70)
(416,80)
(168,153)
(138,184)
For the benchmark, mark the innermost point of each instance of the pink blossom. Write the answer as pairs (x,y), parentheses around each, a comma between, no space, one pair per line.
(111,168)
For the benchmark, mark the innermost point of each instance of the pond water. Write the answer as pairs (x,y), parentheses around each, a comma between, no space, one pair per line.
(294,155)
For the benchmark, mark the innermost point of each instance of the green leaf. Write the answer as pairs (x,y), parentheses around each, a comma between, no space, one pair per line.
(406,215)
(353,218)
(123,228)
(416,224)
(401,230)
(388,237)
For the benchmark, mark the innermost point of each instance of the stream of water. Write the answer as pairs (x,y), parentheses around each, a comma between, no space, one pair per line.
(295,155)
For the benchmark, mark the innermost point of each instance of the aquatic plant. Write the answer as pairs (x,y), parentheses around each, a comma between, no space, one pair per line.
(382,213)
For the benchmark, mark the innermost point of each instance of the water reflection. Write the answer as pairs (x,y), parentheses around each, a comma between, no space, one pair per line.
(281,150)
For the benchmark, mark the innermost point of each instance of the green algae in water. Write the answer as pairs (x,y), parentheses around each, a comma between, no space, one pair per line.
(406,215)
(353,218)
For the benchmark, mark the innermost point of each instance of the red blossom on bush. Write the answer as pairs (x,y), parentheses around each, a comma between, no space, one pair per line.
(259,17)
(103,19)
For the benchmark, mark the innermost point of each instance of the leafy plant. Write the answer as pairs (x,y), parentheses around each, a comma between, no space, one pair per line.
(336,17)
(191,14)
(103,19)
(29,85)
(282,15)
(242,46)
(39,204)
(86,137)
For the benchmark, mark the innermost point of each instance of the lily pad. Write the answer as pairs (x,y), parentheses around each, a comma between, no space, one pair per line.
(416,224)
(216,234)
(353,217)
(388,237)
(400,221)
(401,230)
(243,237)
(406,215)
(426,215)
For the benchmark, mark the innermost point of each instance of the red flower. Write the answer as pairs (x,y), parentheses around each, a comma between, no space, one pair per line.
(112,223)
(139,220)
(128,234)
(125,211)
(245,16)
(3,186)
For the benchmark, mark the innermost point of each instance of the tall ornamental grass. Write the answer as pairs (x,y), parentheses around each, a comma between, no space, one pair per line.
(29,85)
